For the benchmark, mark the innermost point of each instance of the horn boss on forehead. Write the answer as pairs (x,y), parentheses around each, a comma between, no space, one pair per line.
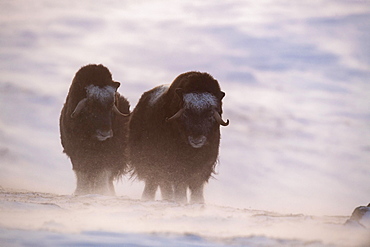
(199,102)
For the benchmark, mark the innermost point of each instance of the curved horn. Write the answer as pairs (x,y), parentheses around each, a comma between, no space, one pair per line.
(79,108)
(177,115)
(115,110)
(219,119)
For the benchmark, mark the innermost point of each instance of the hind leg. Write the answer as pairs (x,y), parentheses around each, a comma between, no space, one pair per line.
(180,189)
(149,190)
(111,186)
(166,190)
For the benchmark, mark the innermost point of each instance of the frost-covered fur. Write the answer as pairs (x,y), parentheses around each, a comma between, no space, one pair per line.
(180,153)
(95,138)
(199,101)
(157,93)
(103,94)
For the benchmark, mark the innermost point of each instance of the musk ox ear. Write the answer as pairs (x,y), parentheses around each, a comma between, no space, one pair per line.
(79,108)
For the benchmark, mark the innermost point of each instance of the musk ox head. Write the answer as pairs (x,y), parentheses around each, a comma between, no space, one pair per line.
(96,110)
(199,117)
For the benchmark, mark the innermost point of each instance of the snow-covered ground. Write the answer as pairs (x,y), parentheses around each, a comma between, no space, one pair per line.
(41,219)
(295,155)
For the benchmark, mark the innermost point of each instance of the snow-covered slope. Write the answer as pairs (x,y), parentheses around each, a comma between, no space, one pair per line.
(296,77)
(57,220)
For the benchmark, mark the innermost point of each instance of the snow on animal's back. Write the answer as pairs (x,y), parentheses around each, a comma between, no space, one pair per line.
(157,93)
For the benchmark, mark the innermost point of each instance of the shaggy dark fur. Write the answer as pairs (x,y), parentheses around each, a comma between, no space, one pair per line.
(96,162)
(161,150)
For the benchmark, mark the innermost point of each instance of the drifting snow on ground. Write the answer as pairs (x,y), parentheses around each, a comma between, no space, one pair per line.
(31,218)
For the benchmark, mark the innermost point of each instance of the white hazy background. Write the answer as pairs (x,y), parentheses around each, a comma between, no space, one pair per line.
(296,76)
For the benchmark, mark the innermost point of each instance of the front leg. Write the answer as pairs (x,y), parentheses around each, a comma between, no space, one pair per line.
(180,193)
(196,190)
(149,190)
(104,183)
(83,183)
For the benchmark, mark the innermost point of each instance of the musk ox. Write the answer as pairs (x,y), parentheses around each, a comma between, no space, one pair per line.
(174,136)
(93,130)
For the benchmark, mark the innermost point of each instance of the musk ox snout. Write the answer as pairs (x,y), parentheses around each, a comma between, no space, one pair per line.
(102,135)
(197,142)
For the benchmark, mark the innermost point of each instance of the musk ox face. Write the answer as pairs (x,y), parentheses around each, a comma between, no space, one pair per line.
(198,118)
(97,110)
